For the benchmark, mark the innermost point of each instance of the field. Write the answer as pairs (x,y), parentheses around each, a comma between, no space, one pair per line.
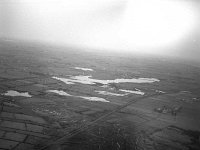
(165,116)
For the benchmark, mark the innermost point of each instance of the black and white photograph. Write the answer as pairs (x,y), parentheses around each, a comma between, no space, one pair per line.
(99,74)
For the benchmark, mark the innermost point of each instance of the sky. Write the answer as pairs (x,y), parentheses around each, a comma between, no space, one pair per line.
(168,27)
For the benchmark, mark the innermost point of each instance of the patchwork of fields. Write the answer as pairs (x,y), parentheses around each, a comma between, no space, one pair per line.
(78,99)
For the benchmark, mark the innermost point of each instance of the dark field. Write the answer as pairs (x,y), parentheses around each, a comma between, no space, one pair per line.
(168,120)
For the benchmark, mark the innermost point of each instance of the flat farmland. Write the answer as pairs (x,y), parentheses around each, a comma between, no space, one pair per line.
(67,98)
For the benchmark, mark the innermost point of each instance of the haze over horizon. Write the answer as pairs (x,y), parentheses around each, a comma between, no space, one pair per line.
(148,26)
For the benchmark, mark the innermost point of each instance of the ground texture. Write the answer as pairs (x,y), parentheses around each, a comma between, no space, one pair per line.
(166,117)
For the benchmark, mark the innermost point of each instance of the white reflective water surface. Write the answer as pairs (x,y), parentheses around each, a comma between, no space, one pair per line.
(88,80)
(62,93)
(110,93)
(84,69)
(15,93)
(59,92)
(133,92)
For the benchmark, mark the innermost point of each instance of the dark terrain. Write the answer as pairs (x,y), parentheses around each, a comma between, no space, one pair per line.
(156,120)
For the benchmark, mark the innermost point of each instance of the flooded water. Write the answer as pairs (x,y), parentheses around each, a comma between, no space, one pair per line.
(94,99)
(84,69)
(59,92)
(15,93)
(88,80)
(110,93)
(63,93)
(133,92)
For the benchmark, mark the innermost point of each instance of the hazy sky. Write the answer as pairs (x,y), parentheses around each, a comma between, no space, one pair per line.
(149,26)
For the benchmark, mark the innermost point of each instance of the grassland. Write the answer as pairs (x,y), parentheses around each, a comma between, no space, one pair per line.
(29,67)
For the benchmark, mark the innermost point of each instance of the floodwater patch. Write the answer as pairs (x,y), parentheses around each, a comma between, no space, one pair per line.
(133,92)
(110,93)
(84,69)
(88,80)
(63,93)
(15,93)
(59,92)
(94,99)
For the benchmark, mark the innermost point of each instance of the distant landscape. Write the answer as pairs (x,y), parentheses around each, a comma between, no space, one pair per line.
(100,101)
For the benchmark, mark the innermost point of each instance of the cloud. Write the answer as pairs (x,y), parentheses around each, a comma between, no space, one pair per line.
(103,24)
